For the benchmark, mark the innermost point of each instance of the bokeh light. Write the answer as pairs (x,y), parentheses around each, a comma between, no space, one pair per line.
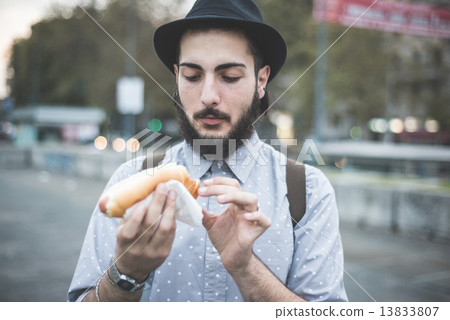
(155,125)
(431,126)
(396,125)
(133,145)
(118,144)
(411,124)
(378,125)
(356,133)
(100,143)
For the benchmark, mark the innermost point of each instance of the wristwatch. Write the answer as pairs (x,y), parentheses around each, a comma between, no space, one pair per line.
(123,281)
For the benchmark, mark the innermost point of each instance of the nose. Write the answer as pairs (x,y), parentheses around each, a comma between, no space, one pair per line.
(210,92)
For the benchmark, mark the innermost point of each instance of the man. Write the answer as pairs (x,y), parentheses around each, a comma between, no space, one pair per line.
(223,56)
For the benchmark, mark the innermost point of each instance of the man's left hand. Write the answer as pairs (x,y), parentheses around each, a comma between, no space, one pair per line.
(234,231)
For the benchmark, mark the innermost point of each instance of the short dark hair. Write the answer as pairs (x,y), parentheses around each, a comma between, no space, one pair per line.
(255,51)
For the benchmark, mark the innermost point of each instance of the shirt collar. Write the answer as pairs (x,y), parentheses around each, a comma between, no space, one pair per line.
(244,159)
(241,162)
(196,165)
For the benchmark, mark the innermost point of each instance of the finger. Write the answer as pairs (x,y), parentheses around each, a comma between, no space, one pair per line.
(245,200)
(258,218)
(168,214)
(153,214)
(222,181)
(129,228)
(165,232)
(216,190)
(156,206)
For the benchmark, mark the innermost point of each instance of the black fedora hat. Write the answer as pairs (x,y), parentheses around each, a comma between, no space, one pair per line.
(241,14)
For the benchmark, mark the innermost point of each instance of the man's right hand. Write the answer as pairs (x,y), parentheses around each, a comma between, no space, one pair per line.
(145,238)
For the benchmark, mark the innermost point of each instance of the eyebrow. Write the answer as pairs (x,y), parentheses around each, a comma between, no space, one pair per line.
(218,68)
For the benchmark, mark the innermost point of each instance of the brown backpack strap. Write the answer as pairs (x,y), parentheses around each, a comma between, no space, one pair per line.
(153,161)
(296,190)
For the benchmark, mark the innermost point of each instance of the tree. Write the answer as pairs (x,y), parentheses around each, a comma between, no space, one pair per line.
(69,59)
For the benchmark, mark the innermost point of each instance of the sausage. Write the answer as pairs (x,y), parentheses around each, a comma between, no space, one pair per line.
(124,194)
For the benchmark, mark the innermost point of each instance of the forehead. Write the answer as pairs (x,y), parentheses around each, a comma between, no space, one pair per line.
(214,43)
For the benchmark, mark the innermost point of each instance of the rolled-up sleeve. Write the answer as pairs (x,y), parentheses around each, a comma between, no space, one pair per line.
(318,261)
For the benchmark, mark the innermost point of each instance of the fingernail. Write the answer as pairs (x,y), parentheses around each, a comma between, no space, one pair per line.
(222,197)
(172,194)
(202,190)
(207,181)
(162,188)
(248,214)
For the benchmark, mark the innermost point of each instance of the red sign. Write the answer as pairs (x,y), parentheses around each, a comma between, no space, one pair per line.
(386,15)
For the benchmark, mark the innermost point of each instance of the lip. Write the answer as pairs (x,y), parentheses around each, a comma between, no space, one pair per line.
(212,120)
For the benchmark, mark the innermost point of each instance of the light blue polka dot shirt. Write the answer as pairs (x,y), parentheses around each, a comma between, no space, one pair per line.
(308,259)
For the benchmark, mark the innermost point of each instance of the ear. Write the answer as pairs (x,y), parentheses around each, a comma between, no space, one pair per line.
(175,71)
(263,78)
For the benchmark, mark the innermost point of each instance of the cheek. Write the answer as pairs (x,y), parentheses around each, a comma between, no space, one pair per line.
(185,89)
(241,94)
(238,100)
(188,97)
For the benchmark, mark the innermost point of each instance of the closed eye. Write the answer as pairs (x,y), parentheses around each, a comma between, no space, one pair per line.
(192,78)
(230,79)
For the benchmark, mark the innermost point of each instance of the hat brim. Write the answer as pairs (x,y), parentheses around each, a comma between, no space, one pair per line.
(269,40)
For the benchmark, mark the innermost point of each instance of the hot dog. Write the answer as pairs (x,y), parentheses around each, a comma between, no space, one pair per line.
(121,196)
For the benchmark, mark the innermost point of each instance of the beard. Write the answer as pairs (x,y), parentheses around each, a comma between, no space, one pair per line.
(214,147)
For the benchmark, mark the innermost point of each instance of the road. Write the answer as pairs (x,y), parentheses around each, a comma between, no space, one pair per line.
(44,216)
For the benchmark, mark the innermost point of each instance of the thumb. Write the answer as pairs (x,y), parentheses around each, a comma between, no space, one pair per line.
(208,219)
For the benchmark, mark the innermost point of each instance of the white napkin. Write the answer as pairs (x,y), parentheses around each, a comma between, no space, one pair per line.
(187,209)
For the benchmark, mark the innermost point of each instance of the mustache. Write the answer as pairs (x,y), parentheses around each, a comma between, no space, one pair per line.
(211,112)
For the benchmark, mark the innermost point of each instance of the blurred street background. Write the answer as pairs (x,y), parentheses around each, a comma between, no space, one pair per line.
(373,113)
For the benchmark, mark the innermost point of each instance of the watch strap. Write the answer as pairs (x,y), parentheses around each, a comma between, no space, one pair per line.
(123,281)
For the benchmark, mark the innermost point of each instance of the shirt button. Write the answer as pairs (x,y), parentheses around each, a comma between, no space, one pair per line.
(220,164)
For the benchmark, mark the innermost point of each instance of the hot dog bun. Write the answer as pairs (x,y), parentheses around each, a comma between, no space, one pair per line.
(121,196)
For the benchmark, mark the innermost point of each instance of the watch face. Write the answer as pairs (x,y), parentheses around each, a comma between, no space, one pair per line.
(124,284)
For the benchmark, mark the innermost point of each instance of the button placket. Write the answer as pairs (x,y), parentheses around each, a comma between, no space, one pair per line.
(215,273)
